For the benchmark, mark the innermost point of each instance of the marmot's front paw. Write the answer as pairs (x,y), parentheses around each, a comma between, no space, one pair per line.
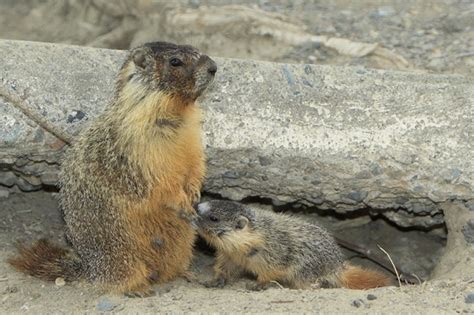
(190,277)
(261,286)
(193,193)
(215,283)
(140,294)
(188,215)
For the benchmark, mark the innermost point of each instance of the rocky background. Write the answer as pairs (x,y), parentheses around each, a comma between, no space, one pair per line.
(434,37)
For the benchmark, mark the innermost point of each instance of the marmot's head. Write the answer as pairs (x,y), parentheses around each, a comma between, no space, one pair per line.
(176,70)
(225,224)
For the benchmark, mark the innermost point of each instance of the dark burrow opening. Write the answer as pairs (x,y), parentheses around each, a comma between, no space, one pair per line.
(415,250)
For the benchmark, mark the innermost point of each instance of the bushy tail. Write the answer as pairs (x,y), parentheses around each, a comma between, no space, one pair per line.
(358,278)
(47,261)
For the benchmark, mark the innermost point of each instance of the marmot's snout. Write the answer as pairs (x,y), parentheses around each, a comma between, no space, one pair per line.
(212,67)
(205,75)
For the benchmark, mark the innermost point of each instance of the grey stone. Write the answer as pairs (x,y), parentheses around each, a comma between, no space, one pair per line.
(470,205)
(264,161)
(371,297)
(350,132)
(357,303)
(437,64)
(106,305)
(231,175)
(469,299)
(4,193)
(468,232)
(75,116)
(357,195)
(8,178)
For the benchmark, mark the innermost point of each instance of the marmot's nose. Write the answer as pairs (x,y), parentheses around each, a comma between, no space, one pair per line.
(212,68)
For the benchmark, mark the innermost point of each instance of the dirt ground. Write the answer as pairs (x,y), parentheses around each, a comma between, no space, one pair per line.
(433,36)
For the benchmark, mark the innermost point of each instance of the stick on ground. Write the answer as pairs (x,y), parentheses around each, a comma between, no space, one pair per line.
(34,115)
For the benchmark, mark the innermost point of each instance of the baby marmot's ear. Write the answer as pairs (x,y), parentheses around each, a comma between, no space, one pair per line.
(241,222)
(140,57)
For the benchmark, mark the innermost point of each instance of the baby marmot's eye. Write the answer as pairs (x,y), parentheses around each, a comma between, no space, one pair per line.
(213,218)
(175,62)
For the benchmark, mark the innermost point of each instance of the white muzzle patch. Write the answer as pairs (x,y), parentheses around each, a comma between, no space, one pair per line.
(203,207)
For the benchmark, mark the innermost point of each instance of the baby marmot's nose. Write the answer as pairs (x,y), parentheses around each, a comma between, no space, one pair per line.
(212,68)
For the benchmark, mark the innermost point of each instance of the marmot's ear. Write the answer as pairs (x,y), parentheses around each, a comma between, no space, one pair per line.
(140,57)
(241,222)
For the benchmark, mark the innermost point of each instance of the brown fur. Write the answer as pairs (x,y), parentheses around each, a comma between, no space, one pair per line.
(42,260)
(129,181)
(358,278)
(277,247)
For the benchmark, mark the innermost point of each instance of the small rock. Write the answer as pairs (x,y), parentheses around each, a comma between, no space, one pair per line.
(75,116)
(60,282)
(469,298)
(4,194)
(11,289)
(357,303)
(470,205)
(195,3)
(264,161)
(231,175)
(105,305)
(468,232)
(371,297)
(437,64)
(278,203)
(455,24)
(383,12)
(357,195)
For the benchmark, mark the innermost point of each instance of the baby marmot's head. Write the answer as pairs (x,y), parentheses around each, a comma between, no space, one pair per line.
(222,222)
(176,70)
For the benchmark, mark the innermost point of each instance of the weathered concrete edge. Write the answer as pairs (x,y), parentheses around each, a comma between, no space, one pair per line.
(241,168)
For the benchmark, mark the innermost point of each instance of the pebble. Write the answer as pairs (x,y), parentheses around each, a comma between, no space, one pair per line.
(437,64)
(75,116)
(60,282)
(4,193)
(469,298)
(11,289)
(357,303)
(383,12)
(106,305)
(371,297)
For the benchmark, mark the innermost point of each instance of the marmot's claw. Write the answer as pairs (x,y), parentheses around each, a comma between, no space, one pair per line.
(260,286)
(190,277)
(215,283)
(140,294)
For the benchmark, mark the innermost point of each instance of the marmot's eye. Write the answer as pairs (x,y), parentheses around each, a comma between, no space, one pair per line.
(175,62)
(213,218)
